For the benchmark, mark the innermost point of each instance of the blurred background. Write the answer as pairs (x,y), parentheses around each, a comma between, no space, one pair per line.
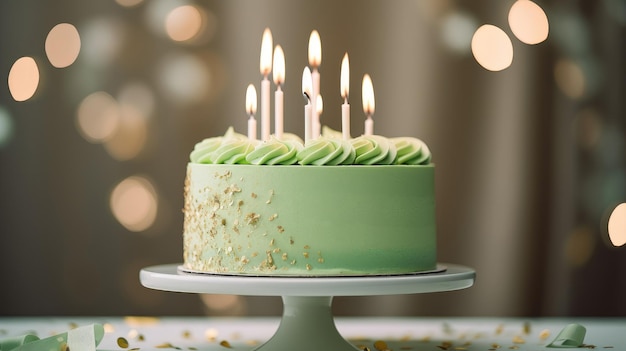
(102,101)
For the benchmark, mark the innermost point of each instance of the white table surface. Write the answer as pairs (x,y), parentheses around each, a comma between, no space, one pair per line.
(400,334)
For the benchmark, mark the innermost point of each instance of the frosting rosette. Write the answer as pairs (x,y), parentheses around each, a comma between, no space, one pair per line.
(233,151)
(274,152)
(374,150)
(412,151)
(326,151)
(203,151)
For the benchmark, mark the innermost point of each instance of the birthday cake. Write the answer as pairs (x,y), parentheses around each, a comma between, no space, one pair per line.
(331,207)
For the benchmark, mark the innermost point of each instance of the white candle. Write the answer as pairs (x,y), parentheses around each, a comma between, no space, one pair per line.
(251,110)
(279,79)
(319,107)
(369,104)
(306,91)
(266,68)
(345,90)
(315,60)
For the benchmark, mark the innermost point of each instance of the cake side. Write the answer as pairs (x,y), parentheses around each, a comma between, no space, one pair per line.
(298,220)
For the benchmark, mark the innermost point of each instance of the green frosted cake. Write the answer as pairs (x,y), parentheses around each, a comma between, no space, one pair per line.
(364,206)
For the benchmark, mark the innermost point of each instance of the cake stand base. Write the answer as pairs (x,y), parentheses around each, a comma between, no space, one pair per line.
(307,322)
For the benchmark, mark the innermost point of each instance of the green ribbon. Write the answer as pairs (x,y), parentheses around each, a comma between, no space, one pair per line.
(571,336)
(77,337)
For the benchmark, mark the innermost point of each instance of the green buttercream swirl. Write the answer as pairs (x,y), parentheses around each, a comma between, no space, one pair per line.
(374,150)
(233,151)
(274,152)
(325,151)
(204,151)
(412,151)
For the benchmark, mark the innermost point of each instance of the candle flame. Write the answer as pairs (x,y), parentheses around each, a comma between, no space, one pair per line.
(266,52)
(315,49)
(279,65)
(319,104)
(369,104)
(251,100)
(345,77)
(307,83)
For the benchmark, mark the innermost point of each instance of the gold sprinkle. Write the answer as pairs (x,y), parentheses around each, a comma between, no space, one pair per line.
(293,262)
(122,342)
(280,229)
(240,203)
(544,334)
(518,340)
(308,267)
(273,217)
(284,256)
(514,347)
(526,328)
(364,348)
(306,247)
(495,346)
(291,241)
(276,250)
(305,254)
(192,348)
(224,221)
(252,218)
(380,345)
(253,195)
(166,345)
(499,329)
(64,347)
(73,325)
(320,260)
(225,343)
(186,334)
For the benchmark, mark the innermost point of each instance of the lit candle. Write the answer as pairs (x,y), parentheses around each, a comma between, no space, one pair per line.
(306,91)
(369,103)
(319,106)
(266,68)
(251,110)
(279,79)
(345,90)
(315,60)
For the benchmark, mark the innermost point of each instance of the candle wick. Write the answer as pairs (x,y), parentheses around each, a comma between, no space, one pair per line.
(307,97)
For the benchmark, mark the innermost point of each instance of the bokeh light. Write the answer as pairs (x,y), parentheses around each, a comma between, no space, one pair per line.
(570,78)
(62,45)
(6,127)
(184,78)
(617,225)
(456,31)
(492,48)
(102,40)
(528,22)
(98,117)
(223,304)
(183,23)
(130,137)
(23,79)
(134,203)
(139,96)
(579,246)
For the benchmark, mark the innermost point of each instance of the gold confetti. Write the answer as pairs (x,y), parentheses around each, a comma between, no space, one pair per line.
(273,217)
(280,229)
(186,334)
(526,328)
(499,329)
(544,334)
(380,345)
(518,340)
(122,342)
(63,347)
(166,345)
(225,344)
(211,334)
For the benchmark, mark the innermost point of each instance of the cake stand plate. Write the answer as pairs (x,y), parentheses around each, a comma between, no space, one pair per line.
(307,323)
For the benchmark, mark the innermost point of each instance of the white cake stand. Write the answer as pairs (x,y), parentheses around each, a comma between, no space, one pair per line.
(307,323)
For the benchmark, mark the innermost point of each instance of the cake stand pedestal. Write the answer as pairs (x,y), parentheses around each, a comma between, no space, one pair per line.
(307,322)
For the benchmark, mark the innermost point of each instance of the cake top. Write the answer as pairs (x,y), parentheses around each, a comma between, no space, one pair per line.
(321,146)
(329,149)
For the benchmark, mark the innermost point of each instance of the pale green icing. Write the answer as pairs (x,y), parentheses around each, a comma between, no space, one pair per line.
(274,152)
(203,151)
(330,133)
(233,151)
(374,150)
(411,151)
(325,151)
(295,220)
